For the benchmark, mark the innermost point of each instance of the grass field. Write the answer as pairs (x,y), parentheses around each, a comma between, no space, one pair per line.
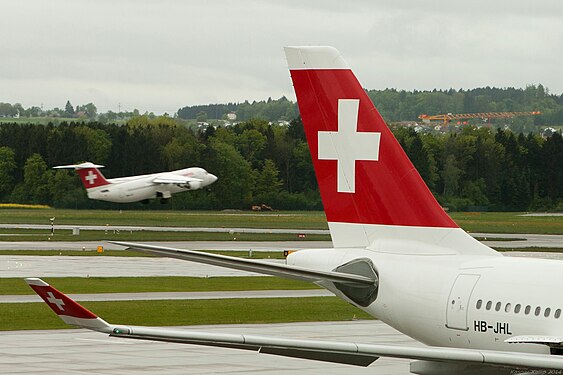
(508,222)
(139,236)
(16,316)
(296,220)
(38,315)
(489,222)
(83,285)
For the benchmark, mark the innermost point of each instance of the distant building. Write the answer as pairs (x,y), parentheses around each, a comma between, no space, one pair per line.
(231,116)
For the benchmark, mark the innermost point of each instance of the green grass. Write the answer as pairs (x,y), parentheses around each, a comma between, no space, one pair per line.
(501,239)
(488,222)
(527,249)
(18,316)
(243,219)
(81,285)
(138,236)
(508,222)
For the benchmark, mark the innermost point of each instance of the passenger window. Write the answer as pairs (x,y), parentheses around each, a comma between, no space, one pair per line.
(507,307)
(547,312)
(557,313)
(538,311)
(527,309)
(479,304)
(497,306)
(489,304)
(517,308)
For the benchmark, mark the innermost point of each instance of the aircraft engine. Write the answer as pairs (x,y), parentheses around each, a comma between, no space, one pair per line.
(192,185)
(362,295)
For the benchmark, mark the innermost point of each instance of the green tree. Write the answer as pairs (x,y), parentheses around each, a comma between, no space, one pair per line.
(233,190)
(7,167)
(98,143)
(201,116)
(69,109)
(182,151)
(251,144)
(268,184)
(90,109)
(451,174)
(37,178)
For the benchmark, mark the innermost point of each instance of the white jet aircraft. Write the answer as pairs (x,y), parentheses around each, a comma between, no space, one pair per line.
(397,255)
(139,188)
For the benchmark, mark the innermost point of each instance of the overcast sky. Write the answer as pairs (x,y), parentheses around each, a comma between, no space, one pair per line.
(160,55)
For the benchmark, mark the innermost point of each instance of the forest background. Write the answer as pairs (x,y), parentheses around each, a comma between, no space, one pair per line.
(263,157)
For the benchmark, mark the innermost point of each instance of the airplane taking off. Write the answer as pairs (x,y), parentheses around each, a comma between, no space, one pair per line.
(397,255)
(139,188)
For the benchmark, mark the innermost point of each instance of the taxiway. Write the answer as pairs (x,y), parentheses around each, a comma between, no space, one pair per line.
(80,352)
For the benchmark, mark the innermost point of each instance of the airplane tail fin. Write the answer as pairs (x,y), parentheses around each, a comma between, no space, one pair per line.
(89,174)
(370,189)
(67,309)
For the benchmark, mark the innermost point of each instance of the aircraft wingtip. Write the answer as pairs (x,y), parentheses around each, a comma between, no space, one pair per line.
(35,281)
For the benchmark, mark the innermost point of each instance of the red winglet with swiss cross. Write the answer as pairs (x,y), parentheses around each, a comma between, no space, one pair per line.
(67,309)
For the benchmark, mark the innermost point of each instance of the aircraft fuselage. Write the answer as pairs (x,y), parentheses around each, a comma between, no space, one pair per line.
(138,188)
(457,301)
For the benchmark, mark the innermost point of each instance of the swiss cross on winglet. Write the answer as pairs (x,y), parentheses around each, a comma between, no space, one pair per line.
(67,309)
(57,301)
(348,145)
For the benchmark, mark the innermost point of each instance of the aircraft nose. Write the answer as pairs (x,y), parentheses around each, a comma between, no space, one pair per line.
(212,178)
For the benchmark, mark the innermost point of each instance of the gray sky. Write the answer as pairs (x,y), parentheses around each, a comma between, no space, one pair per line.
(160,55)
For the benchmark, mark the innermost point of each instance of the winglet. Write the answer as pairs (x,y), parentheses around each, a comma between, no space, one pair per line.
(67,309)
(79,166)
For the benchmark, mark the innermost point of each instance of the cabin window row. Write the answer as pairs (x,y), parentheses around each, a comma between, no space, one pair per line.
(517,309)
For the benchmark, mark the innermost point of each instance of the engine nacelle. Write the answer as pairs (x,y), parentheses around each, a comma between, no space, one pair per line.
(362,295)
(192,185)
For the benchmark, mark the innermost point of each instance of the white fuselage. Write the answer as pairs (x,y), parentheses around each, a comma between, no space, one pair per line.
(142,187)
(434,298)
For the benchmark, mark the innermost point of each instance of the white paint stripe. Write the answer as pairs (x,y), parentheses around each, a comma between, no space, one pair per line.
(35,281)
(407,239)
(302,58)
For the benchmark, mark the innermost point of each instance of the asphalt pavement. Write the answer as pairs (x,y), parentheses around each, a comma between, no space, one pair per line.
(80,352)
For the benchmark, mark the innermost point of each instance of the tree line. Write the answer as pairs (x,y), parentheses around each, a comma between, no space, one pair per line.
(394,105)
(257,162)
(401,105)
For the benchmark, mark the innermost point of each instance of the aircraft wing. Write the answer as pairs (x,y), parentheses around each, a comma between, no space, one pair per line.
(171,178)
(551,341)
(268,268)
(350,353)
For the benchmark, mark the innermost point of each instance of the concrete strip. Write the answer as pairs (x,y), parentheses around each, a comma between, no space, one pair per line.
(74,352)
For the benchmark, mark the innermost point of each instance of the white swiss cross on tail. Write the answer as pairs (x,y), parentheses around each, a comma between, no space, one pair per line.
(91,177)
(347,145)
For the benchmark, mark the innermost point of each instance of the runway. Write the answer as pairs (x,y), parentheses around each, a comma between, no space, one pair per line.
(189,245)
(80,266)
(80,352)
(86,266)
(520,241)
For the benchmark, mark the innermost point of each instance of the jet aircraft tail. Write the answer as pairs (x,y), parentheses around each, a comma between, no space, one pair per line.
(371,191)
(89,174)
